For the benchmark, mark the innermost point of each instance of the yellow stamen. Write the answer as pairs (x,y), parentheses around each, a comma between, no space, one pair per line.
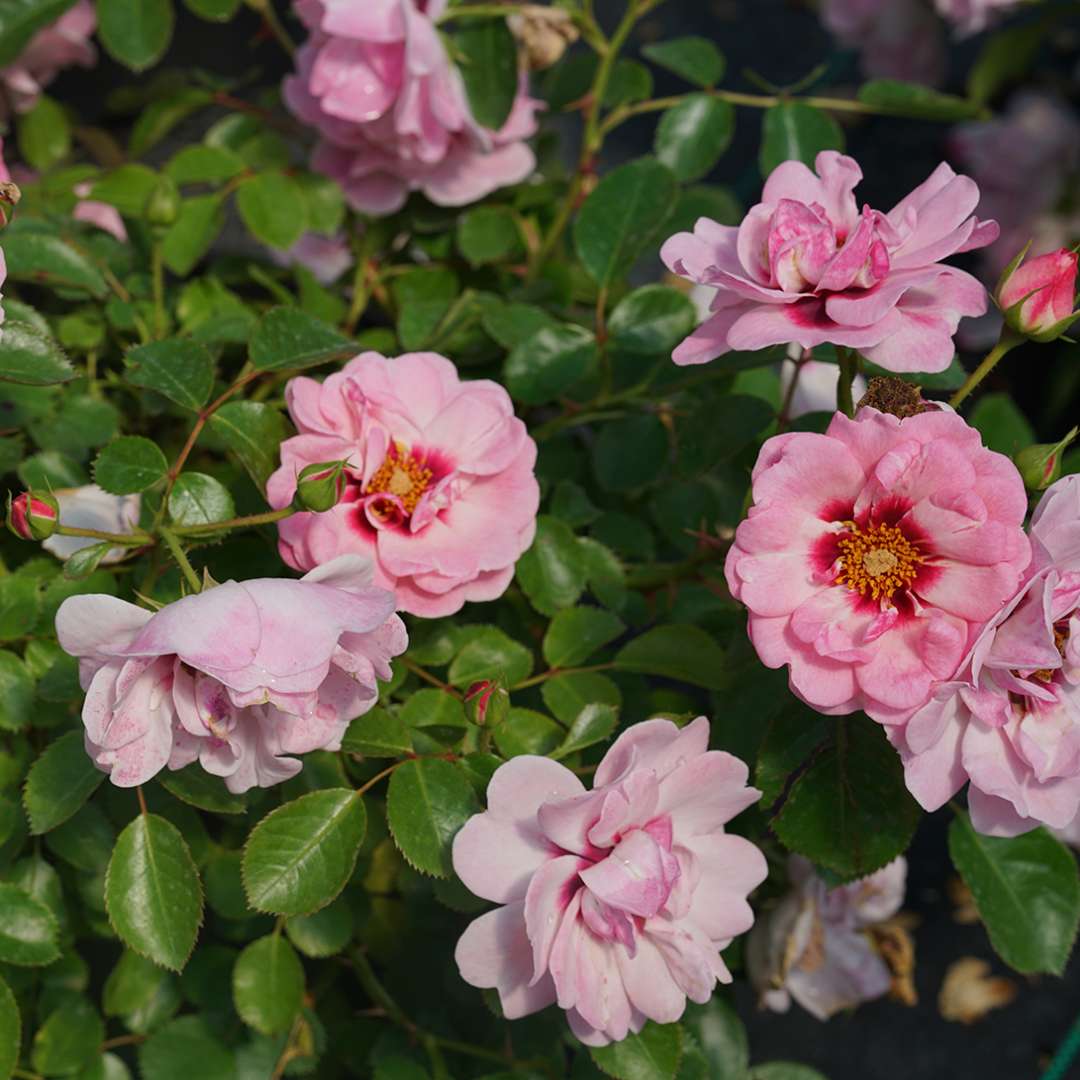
(401,474)
(877,561)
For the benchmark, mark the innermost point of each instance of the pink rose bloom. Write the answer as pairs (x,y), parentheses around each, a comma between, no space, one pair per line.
(65,42)
(99,214)
(806,266)
(873,555)
(814,946)
(327,257)
(376,82)
(616,902)
(441,492)
(971,16)
(1009,723)
(223,677)
(896,39)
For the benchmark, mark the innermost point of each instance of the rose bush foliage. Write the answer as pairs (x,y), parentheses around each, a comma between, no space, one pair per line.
(466,602)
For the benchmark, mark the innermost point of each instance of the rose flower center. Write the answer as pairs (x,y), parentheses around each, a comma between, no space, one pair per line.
(877,561)
(402,474)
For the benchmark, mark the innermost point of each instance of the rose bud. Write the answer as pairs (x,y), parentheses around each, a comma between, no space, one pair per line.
(163,204)
(33,515)
(487,703)
(1040,465)
(319,486)
(1038,297)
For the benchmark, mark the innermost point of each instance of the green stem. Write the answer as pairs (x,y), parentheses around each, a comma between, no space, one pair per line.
(1008,341)
(266,9)
(550,674)
(1058,1069)
(849,367)
(131,539)
(186,568)
(157,270)
(571,420)
(249,521)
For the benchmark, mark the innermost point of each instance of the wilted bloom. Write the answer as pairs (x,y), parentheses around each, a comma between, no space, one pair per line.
(235,677)
(806,266)
(896,39)
(63,43)
(971,16)
(616,902)
(376,82)
(33,515)
(815,946)
(545,33)
(1009,722)
(327,257)
(1038,296)
(89,507)
(873,555)
(440,493)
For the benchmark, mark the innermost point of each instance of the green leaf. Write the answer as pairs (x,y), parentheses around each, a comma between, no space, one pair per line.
(427,802)
(129,464)
(325,933)
(298,858)
(127,188)
(916,101)
(214,10)
(1004,56)
(594,724)
(651,321)
(140,992)
(849,809)
(10,1030)
(685,653)
(525,731)
(652,1054)
(28,930)
(161,116)
(695,59)
(85,840)
(546,364)
(69,1038)
(44,134)
(197,499)
(290,339)
(378,733)
(567,695)
(36,252)
(19,604)
(693,136)
(85,561)
(487,59)
(16,692)
(623,217)
(272,206)
(135,32)
(576,633)
(60,781)
(253,432)
(552,571)
(721,1037)
(795,131)
(490,654)
(182,370)
(195,786)
(268,985)
(424,296)
(630,453)
(200,222)
(488,234)
(29,356)
(629,82)
(718,429)
(203,165)
(1027,893)
(21,19)
(1003,426)
(152,892)
(171,1051)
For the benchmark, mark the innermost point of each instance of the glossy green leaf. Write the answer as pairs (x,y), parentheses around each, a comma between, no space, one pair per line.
(253,431)
(488,234)
(36,252)
(652,1054)
(152,892)
(695,59)
(630,81)
(685,653)
(1004,56)
(85,840)
(127,188)
(60,781)
(135,32)
(548,363)
(140,992)
(204,165)
(28,931)
(44,134)
(427,802)
(574,634)
(195,786)
(378,733)
(170,1052)
(272,206)
(268,984)
(693,136)
(623,218)
(793,131)
(1003,426)
(552,571)
(16,692)
(490,654)
(198,499)
(10,1030)
(487,59)
(1027,893)
(21,19)
(525,731)
(594,724)
(298,858)
(19,604)
(651,321)
(200,223)
(630,453)
(68,1039)
(566,695)
(916,101)
(290,339)
(325,933)
(720,1036)
(29,356)
(129,465)
(182,370)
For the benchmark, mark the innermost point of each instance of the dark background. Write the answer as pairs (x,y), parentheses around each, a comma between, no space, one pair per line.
(783,41)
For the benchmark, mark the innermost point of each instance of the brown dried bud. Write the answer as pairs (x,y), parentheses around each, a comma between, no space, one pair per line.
(894,396)
(544,32)
(9,198)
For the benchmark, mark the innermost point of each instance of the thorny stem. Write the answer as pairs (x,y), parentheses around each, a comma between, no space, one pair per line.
(426,675)
(248,521)
(273,23)
(1008,341)
(552,672)
(130,539)
(186,568)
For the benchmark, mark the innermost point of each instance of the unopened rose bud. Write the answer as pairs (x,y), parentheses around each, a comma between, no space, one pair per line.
(319,487)
(1040,465)
(163,203)
(33,515)
(1038,297)
(487,703)
(544,32)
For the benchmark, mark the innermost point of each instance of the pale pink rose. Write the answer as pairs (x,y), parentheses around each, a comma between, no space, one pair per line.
(441,492)
(616,902)
(896,39)
(806,266)
(971,16)
(88,507)
(813,947)
(1009,723)
(99,214)
(1070,834)
(327,257)
(376,82)
(873,555)
(235,677)
(65,42)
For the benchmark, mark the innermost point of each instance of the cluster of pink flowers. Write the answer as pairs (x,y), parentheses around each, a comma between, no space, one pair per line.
(390,107)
